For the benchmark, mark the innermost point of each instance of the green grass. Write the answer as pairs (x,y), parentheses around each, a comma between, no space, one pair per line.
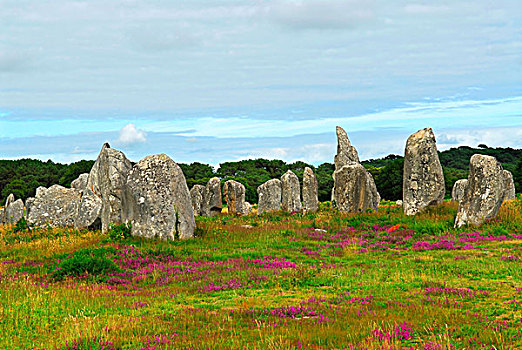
(317,281)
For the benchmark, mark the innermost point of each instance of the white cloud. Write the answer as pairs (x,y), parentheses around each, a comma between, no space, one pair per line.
(129,135)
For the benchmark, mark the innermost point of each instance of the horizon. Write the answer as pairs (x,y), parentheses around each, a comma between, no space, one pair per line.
(213,81)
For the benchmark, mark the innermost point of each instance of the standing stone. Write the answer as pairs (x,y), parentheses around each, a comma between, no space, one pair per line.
(290,192)
(55,206)
(423,180)
(310,196)
(159,200)
(89,211)
(354,188)
(81,182)
(196,196)
(459,187)
(107,181)
(28,203)
(212,200)
(269,195)
(484,192)
(509,186)
(234,193)
(13,210)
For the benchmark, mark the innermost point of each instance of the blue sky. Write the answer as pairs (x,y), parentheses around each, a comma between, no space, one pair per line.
(213,81)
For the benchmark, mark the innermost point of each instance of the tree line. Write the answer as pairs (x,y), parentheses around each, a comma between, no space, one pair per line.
(22,177)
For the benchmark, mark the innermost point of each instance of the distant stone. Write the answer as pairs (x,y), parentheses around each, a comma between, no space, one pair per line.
(509,186)
(459,188)
(234,193)
(212,200)
(354,188)
(423,180)
(55,206)
(269,195)
(196,196)
(310,196)
(484,193)
(159,200)
(290,192)
(81,182)
(107,180)
(398,202)
(13,210)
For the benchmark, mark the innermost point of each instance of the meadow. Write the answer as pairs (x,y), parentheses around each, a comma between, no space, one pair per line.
(328,280)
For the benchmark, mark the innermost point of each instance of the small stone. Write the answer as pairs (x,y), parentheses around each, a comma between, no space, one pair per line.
(13,210)
(310,192)
(459,188)
(196,195)
(212,200)
(269,195)
(234,193)
(55,206)
(81,182)
(290,192)
(509,186)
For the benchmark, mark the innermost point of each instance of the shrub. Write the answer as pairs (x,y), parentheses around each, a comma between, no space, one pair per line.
(85,262)
(21,226)
(119,232)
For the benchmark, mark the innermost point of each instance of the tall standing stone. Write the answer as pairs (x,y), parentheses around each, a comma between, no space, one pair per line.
(354,188)
(212,200)
(310,193)
(55,206)
(459,187)
(269,195)
(484,192)
(234,193)
(423,180)
(509,186)
(196,196)
(107,181)
(158,199)
(13,210)
(290,192)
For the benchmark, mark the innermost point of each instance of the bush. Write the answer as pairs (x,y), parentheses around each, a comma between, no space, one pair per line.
(119,232)
(21,226)
(93,262)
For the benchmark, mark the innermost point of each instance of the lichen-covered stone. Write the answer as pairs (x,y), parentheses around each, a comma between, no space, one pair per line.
(212,200)
(269,195)
(28,203)
(354,188)
(509,186)
(107,180)
(159,200)
(484,192)
(196,196)
(310,192)
(89,211)
(13,210)
(423,180)
(80,183)
(55,206)
(290,192)
(234,193)
(459,187)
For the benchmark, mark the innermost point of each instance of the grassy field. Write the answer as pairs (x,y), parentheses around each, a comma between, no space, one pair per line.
(316,281)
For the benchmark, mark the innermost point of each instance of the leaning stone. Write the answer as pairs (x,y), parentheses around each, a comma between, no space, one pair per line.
(423,180)
(107,180)
(290,192)
(459,187)
(355,190)
(269,195)
(56,206)
(509,186)
(484,193)
(310,196)
(346,153)
(196,196)
(13,210)
(212,200)
(234,193)
(159,199)
(81,182)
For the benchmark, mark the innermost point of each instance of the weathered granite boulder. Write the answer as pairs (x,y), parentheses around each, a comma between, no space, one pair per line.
(509,186)
(56,206)
(234,193)
(13,210)
(354,188)
(310,196)
(196,196)
(290,192)
(459,187)
(90,211)
(81,182)
(40,191)
(423,180)
(269,195)
(107,180)
(28,203)
(212,200)
(484,192)
(159,200)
